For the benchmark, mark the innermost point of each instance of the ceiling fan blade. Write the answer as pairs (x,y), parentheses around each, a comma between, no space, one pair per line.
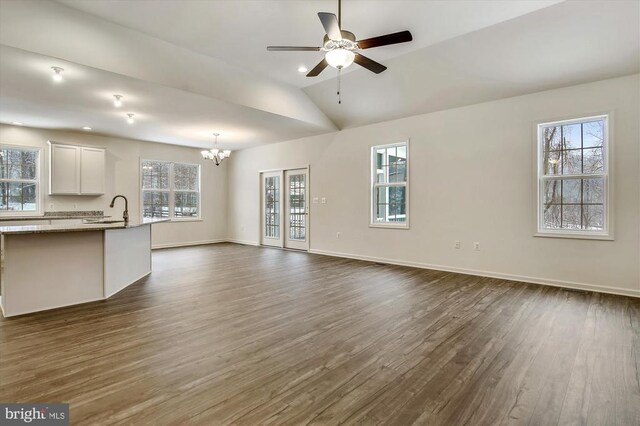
(369,64)
(330,24)
(292,48)
(395,38)
(318,68)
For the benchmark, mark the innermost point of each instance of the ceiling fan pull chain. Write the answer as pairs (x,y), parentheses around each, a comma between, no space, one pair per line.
(339,98)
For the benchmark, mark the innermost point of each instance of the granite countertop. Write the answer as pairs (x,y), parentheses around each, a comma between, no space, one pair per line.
(89,214)
(40,229)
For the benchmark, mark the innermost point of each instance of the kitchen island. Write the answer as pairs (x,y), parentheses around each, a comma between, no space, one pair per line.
(55,265)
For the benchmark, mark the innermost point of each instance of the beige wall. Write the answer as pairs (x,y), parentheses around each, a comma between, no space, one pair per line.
(123,176)
(472,179)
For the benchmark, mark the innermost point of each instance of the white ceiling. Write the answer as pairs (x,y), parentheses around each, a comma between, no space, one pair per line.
(162,114)
(192,67)
(239,31)
(569,43)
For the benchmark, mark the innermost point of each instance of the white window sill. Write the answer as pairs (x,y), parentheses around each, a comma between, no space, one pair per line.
(575,236)
(387,226)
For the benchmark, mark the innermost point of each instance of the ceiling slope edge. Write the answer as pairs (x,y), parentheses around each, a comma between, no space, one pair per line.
(58,31)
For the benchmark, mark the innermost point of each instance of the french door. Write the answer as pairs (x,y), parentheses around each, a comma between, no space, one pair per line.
(271,209)
(296,209)
(285,208)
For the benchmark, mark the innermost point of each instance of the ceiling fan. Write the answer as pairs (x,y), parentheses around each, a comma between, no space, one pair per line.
(340,46)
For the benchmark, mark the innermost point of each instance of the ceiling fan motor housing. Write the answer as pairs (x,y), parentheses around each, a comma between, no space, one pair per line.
(348,41)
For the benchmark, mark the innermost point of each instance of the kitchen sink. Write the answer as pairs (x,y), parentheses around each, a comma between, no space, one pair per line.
(105,221)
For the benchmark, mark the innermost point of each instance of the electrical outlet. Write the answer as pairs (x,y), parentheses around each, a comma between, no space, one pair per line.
(337,234)
(324,200)
(456,244)
(315,200)
(476,246)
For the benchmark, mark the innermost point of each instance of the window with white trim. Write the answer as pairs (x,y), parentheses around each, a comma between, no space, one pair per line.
(573,177)
(170,190)
(389,185)
(19,181)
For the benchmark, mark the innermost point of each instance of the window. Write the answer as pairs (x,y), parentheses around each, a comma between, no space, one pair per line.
(573,178)
(19,181)
(170,190)
(389,185)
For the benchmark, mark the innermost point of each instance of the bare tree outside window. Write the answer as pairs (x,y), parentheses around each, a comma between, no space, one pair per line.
(573,175)
(389,167)
(19,186)
(170,190)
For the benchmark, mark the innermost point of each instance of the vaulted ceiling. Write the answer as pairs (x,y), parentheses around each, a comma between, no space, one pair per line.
(190,68)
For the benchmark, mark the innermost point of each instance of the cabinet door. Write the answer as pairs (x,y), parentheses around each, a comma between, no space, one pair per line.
(64,170)
(92,171)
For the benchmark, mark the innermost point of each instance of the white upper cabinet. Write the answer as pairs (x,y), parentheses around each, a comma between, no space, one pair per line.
(92,171)
(76,170)
(64,169)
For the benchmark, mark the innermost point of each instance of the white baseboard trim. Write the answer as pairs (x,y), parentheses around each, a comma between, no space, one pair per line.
(511,277)
(243,242)
(188,243)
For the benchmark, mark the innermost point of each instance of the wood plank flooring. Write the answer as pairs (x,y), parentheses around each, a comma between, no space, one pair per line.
(230,334)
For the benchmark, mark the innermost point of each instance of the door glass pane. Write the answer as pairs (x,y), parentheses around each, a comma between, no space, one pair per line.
(297,207)
(272,207)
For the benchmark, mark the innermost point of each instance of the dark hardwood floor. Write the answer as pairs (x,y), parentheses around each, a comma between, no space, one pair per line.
(226,333)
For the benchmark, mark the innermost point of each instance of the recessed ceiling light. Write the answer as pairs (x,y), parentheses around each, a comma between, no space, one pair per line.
(87,128)
(118,102)
(17,123)
(130,118)
(57,74)
(302,68)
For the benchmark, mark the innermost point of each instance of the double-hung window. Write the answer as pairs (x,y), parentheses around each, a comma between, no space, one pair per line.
(19,181)
(389,185)
(170,190)
(573,178)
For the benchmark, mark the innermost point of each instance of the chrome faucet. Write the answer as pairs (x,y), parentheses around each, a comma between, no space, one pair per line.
(125,215)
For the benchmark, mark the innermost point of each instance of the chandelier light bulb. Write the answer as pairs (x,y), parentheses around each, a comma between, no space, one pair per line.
(118,101)
(340,58)
(57,74)
(130,118)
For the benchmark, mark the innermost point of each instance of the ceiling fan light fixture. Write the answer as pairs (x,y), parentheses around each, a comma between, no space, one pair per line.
(340,58)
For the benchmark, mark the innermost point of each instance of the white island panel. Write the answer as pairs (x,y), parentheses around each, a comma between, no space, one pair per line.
(127,257)
(51,270)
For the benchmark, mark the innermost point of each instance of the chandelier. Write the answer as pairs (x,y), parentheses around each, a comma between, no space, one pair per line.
(216,154)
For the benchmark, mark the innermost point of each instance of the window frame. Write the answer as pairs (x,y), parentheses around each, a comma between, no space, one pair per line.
(39,211)
(374,185)
(172,190)
(540,178)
